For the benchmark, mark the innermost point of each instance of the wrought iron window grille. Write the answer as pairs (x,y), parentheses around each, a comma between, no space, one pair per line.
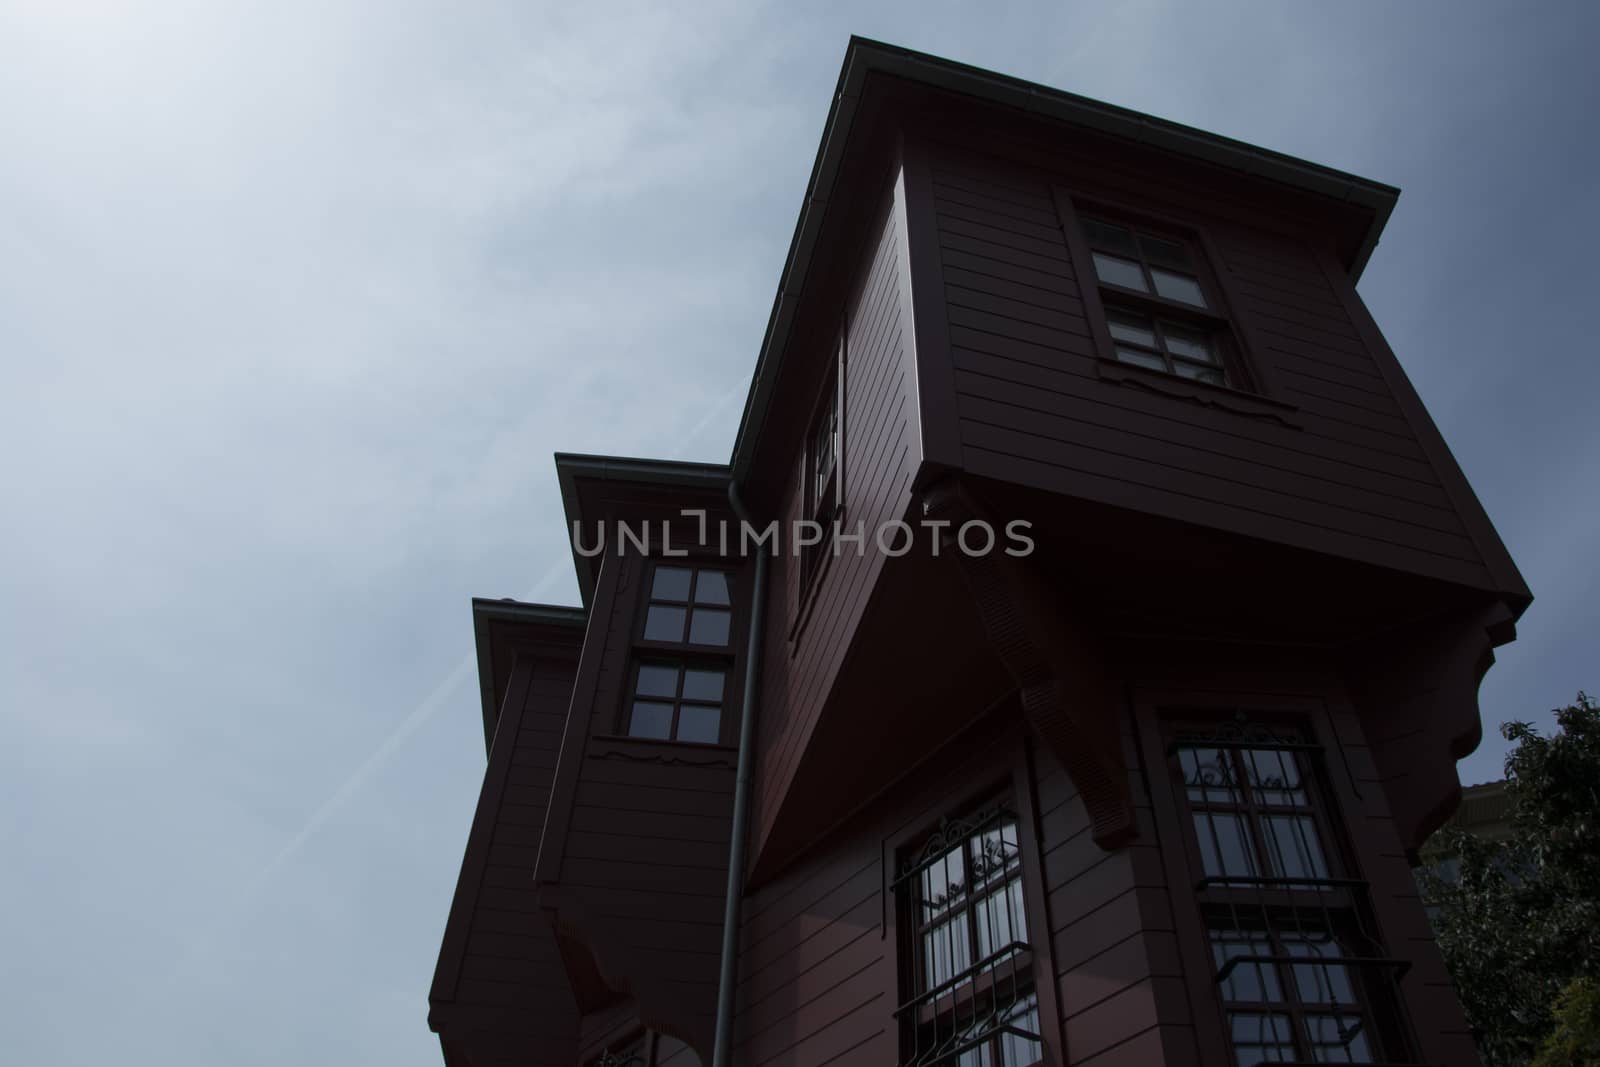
(1300,967)
(967,956)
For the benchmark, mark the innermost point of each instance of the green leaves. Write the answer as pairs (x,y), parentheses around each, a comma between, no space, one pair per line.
(1520,922)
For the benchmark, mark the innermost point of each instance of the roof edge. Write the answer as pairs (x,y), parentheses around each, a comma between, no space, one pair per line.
(571,466)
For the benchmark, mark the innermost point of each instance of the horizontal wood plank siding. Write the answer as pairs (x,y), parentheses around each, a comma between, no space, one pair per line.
(1350,479)
(1118,975)
(645,845)
(808,632)
(512,999)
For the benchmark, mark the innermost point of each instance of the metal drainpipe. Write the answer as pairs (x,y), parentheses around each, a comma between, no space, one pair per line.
(722,1051)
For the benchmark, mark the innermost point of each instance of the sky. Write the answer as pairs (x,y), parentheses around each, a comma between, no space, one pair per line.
(297,300)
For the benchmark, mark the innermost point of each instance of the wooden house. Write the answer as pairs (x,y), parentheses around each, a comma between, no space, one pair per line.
(1140,781)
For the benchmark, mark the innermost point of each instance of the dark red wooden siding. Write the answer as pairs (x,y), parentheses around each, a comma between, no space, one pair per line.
(509,1002)
(808,632)
(638,843)
(1350,479)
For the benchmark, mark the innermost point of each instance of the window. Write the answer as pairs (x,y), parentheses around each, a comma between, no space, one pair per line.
(677,702)
(678,684)
(689,605)
(823,475)
(1300,971)
(1160,312)
(964,946)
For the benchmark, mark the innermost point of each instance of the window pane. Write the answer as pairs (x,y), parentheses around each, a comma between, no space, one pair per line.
(999,920)
(1275,778)
(1208,775)
(1188,343)
(709,627)
(1016,1051)
(1182,287)
(697,722)
(943,884)
(1194,372)
(946,951)
(1124,272)
(703,685)
(1338,1039)
(1324,984)
(1247,981)
(650,719)
(711,587)
(657,681)
(1111,238)
(1134,329)
(1141,359)
(663,623)
(1261,1038)
(1224,844)
(1164,253)
(993,853)
(1293,848)
(672,583)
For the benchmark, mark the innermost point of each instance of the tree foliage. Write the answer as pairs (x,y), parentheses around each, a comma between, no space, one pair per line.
(1576,1041)
(1520,923)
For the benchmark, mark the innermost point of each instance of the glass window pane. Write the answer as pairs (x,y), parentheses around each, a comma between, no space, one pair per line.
(1197,373)
(711,587)
(1338,1039)
(662,623)
(1208,775)
(1159,251)
(671,583)
(1188,343)
(946,950)
(1015,1050)
(1182,287)
(1247,981)
(709,627)
(1141,359)
(703,685)
(1134,329)
(1293,848)
(994,852)
(1323,984)
(1275,778)
(650,719)
(942,884)
(1111,238)
(1123,272)
(700,722)
(657,681)
(1224,844)
(1259,1037)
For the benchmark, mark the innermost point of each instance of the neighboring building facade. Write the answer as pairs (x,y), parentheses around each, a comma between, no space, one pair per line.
(1146,794)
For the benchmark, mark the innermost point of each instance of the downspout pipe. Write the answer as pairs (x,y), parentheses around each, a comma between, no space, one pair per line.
(722,1051)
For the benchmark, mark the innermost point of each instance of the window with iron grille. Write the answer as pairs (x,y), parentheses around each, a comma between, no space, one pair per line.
(965,960)
(1301,972)
(1161,310)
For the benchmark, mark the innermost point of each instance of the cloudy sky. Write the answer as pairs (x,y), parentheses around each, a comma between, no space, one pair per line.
(297,300)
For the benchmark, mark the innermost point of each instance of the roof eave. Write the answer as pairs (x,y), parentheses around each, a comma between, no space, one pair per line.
(486,611)
(571,466)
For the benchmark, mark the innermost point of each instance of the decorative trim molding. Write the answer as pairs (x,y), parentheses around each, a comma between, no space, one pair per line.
(1211,396)
(664,753)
